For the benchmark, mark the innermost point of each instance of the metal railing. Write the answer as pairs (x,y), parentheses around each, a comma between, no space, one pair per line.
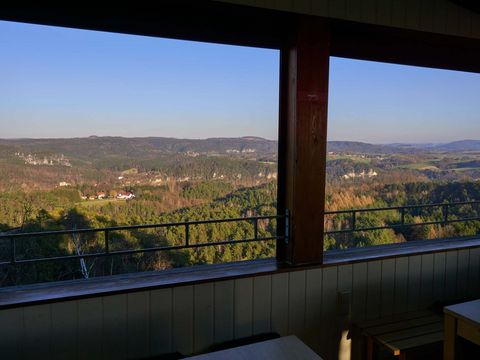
(187,244)
(404,210)
(446,215)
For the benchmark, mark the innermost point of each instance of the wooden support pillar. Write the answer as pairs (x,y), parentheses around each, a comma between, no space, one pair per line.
(303,139)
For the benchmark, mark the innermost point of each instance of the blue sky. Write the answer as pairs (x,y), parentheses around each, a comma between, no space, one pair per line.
(58,82)
(388,103)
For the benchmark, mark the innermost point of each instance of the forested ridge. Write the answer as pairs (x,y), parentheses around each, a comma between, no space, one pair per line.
(63,209)
(46,185)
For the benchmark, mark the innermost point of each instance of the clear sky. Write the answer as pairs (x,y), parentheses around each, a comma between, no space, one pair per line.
(386,103)
(58,82)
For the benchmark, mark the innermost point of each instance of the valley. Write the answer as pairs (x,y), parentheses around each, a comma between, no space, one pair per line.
(96,182)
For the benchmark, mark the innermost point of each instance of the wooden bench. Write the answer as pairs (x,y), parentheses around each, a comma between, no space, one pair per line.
(400,334)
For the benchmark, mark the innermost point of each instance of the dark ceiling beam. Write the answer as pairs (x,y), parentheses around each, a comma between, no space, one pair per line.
(217,22)
(472,5)
(200,20)
(409,47)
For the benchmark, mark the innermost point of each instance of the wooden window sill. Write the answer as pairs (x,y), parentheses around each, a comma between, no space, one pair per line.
(25,295)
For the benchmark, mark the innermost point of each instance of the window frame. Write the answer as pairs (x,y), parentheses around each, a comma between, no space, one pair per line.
(223,23)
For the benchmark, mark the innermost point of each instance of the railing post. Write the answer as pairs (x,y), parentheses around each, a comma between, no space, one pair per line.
(107,251)
(187,234)
(13,254)
(445,214)
(13,260)
(354,220)
(402,216)
(255,228)
(107,247)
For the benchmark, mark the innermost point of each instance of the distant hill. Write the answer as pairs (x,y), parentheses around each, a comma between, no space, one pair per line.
(366,148)
(99,148)
(461,145)
(95,147)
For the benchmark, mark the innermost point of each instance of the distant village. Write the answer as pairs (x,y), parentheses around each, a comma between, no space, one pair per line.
(121,195)
(100,195)
(34,159)
(352,175)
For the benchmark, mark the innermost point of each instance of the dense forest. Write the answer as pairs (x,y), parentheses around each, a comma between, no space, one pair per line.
(48,187)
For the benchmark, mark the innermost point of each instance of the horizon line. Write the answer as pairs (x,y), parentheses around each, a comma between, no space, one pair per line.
(399,143)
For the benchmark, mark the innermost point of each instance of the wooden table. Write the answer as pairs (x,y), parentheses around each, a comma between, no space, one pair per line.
(401,334)
(284,348)
(461,320)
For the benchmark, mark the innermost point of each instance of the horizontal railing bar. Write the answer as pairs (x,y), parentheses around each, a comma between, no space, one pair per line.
(187,224)
(134,227)
(393,226)
(146,250)
(333,212)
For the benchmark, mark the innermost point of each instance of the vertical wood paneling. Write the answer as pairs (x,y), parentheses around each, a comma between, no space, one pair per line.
(412,19)
(337,8)
(451,275)
(183,319)
(262,304)
(191,318)
(414,278)
(462,273)
(296,313)
(161,314)
(11,330)
(475,24)
(64,330)
(399,13)
(473,273)
(243,311)
(374,275)
(452,19)
(285,5)
(270,4)
(204,316)
(138,320)
(353,9)
(387,287)
(369,11)
(115,327)
(465,22)
(224,300)
(359,293)
(440,16)
(313,307)
(280,303)
(329,302)
(36,335)
(329,292)
(345,283)
(401,285)
(439,260)
(426,281)
(90,324)
(344,289)
(427,11)
(384,12)
(301,6)
(320,7)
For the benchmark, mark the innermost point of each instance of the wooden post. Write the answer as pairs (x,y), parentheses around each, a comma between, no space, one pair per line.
(303,139)
(449,337)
